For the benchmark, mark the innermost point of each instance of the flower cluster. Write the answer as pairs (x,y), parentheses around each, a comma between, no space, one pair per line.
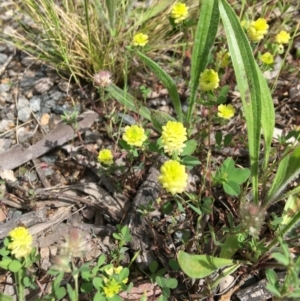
(173,177)
(140,39)
(21,244)
(267,58)
(226,111)
(282,37)
(257,29)
(105,156)
(179,12)
(224,58)
(209,80)
(173,137)
(112,286)
(102,79)
(134,135)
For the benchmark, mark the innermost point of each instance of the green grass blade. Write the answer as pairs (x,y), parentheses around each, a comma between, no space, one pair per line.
(167,82)
(111,6)
(249,84)
(205,36)
(127,101)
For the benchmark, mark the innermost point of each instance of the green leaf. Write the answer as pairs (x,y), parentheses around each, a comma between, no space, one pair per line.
(200,266)
(98,283)
(190,161)
(27,281)
(60,292)
(159,119)
(4,251)
(5,262)
(288,169)
(190,147)
(232,188)
(206,31)
(239,175)
(273,290)
(153,266)
(227,139)
(15,266)
(86,287)
(167,82)
(197,210)
(99,297)
(271,276)
(174,265)
(128,101)
(171,283)
(281,258)
(218,137)
(230,246)
(249,83)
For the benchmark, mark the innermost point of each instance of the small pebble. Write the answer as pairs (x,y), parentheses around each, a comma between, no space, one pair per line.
(43,85)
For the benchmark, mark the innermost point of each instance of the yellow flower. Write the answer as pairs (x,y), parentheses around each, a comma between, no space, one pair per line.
(226,111)
(173,177)
(173,137)
(209,80)
(140,39)
(105,156)
(267,58)
(111,288)
(224,57)
(257,29)
(134,135)
(179,12)
(21,244)
(283,37)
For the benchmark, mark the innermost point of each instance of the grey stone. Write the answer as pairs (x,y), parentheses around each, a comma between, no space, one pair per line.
(35,103)
(43,85)
(5,125)
(3,58)
(4,145)
(56,95)
(27,82)
(7,97)
(23,109)
(4,87)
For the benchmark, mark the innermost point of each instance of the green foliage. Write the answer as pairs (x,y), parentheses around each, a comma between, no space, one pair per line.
(289,287)
(230,177)
(200,266)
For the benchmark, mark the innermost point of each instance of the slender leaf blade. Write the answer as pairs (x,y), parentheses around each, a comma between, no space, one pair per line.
(167,82)
(206,31)
(128,101)
(248,80)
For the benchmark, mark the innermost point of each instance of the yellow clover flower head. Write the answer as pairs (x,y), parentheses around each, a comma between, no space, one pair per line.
(282,37)
(224,58)
(257,29)
(140,39)
(173,177)
(173,137)
(209,80)
(111,288)
(226,111)
(21,244)
(267,58)
(134,135)
(179,12)
(105,156)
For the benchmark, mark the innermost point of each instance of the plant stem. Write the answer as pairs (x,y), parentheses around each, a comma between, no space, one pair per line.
(20,287)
